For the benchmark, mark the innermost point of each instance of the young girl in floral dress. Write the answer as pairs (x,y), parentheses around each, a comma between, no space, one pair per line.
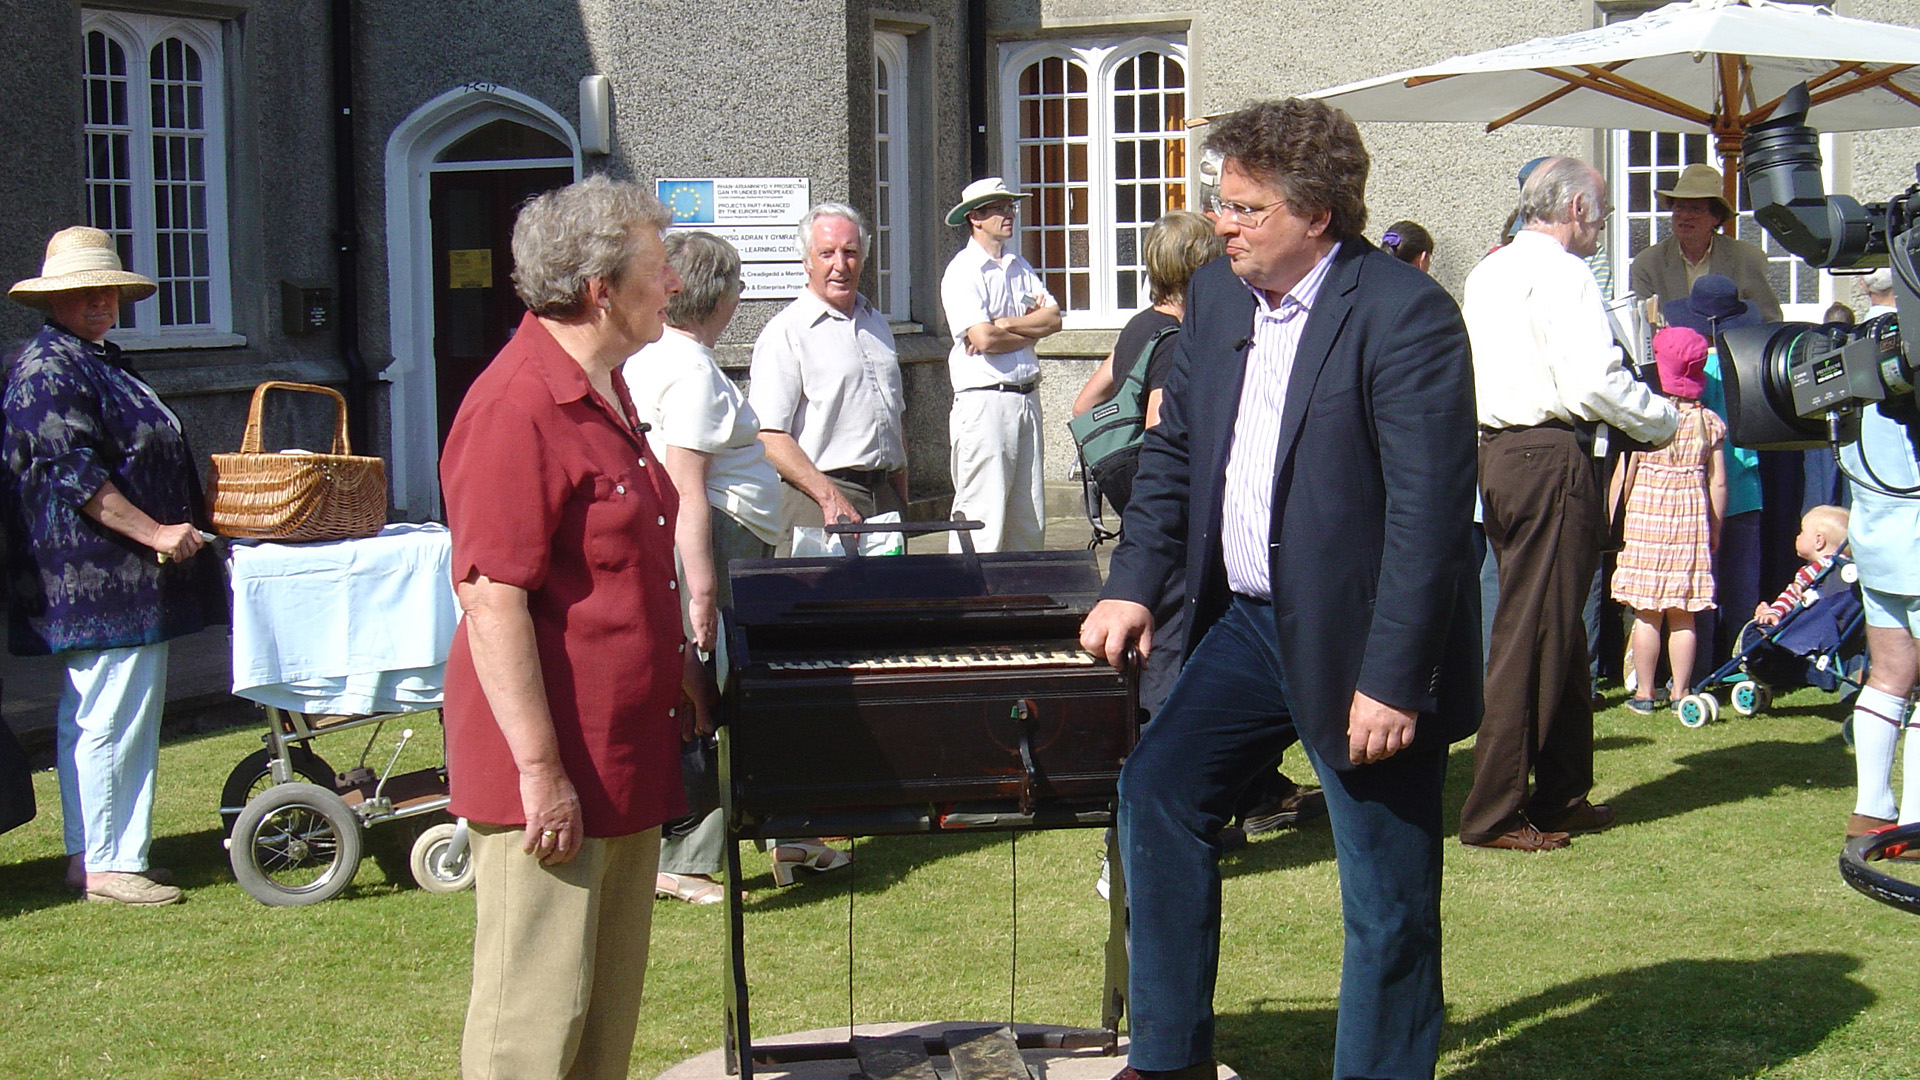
(1675,498)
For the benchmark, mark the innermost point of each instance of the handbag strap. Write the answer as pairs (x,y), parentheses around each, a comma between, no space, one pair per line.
(250,439)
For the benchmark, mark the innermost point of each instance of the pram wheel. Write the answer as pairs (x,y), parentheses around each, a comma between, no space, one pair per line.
(250,778)
(295,844)
(1697,710)
(1750,697)
(434,866)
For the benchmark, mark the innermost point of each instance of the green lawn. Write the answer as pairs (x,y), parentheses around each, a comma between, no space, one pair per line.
(1707,936)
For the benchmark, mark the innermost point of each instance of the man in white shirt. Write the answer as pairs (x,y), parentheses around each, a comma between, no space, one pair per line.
(996,308)
(1546,373)
(826,386)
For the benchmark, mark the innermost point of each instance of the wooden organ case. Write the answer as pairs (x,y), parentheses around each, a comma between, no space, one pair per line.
(916,694)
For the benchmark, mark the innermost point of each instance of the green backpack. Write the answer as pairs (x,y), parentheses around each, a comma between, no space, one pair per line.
(1118,424)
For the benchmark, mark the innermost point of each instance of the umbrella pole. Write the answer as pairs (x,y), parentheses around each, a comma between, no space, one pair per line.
(1729,146)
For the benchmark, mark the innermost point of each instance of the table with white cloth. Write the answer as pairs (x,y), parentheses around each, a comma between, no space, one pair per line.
(350,626)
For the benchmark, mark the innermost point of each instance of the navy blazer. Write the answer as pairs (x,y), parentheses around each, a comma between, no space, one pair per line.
(1374,583)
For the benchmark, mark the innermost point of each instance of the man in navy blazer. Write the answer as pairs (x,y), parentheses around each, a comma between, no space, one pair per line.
(1314,469)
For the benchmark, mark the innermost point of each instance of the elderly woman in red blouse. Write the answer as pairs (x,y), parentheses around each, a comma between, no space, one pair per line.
(570,680)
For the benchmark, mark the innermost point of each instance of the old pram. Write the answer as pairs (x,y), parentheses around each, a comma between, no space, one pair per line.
(334,638)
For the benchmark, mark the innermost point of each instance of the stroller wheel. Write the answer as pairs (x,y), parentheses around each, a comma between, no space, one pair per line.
(1695,710)
(1749,697)
(435,865)
(295,844)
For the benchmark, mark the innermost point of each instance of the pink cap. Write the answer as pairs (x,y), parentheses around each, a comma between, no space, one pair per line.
(1681,355)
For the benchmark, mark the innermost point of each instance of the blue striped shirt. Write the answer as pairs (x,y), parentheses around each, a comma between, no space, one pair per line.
(1247,501)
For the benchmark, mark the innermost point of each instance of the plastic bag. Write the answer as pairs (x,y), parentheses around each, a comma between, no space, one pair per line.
(813,542)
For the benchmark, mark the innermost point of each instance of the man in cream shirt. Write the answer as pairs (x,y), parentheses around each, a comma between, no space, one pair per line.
(996,308)
(825,383)
(1546,375)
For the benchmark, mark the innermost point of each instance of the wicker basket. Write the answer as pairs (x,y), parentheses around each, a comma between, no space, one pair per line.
(298,496)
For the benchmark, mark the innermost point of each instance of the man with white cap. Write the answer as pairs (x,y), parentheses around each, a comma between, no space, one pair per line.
(996,307)
(1667,270)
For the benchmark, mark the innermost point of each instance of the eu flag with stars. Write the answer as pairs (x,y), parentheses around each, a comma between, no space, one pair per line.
(690,200)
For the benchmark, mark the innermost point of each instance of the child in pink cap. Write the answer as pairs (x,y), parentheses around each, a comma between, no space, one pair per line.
(1675,498)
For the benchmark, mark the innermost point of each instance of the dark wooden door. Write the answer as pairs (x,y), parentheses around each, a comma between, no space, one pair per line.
(475,310)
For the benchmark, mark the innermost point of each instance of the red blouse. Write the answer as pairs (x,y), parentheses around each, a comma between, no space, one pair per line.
(548,490)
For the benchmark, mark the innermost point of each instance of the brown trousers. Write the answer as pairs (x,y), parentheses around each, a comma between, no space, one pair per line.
(1545,522)
(559,958)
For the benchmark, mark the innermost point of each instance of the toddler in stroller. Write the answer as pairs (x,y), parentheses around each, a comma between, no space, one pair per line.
(1811,635)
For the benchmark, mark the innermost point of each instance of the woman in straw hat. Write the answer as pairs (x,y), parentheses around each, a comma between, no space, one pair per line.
(101,503)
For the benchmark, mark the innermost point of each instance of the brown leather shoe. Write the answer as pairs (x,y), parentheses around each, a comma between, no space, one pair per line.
(1301,805)
(1585,818)
(1861,824)
(1524,838)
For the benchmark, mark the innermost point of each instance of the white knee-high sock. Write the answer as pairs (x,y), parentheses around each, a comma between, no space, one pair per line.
(1910,772)
(1876,728)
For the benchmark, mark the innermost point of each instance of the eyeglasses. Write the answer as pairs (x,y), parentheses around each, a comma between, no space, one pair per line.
(1240,213)
(1008,208)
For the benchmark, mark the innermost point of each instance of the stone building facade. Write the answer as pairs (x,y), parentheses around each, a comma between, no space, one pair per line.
(314,180)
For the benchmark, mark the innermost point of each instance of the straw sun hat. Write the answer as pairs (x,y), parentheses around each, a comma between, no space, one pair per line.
(1700,181)
(80,258)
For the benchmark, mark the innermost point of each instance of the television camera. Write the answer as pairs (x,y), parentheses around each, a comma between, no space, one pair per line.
(1793,386)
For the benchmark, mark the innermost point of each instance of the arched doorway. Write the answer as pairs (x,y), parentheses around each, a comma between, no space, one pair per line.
(457,170)
(477,184)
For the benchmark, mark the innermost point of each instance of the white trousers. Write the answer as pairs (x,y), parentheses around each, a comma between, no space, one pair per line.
(109,725)
(997,453)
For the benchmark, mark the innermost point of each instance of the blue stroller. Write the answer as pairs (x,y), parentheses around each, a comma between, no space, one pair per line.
(1821,644)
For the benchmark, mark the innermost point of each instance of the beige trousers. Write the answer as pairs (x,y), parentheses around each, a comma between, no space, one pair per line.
(559,957)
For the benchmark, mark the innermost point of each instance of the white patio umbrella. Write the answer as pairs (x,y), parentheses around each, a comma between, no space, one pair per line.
(1716,66)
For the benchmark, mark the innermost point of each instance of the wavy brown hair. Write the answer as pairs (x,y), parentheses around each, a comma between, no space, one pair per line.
(1307,150)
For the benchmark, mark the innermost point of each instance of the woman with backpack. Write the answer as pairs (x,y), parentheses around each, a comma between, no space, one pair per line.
(1125,391)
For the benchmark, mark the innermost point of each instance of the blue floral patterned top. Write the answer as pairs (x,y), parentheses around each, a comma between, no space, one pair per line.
(76,418)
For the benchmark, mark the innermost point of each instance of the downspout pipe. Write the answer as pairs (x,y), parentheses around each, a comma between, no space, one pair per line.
(978,63)
(346,237)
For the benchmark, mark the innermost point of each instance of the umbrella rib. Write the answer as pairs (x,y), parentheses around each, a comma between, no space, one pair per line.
(1602,80)
(1866,81)
(1646,95)
(1549,99)
(1761,112)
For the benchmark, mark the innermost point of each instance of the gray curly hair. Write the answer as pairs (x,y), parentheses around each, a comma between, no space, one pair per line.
(569,236)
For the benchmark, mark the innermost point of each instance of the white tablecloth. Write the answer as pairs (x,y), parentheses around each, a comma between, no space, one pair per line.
(352,626)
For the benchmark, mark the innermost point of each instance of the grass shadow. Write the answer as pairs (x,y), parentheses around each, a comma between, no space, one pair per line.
(1732,774)
(1679,1020)
(1285,849)
(1608,743)
(880,862)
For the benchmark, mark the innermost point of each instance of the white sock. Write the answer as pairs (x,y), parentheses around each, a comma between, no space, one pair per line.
(1876,728)
(1910,778)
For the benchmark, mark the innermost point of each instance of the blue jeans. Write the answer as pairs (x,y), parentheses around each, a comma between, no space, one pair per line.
(1225,720)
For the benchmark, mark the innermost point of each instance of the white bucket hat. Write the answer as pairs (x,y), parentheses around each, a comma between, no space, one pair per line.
(979,193)
(80,258)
